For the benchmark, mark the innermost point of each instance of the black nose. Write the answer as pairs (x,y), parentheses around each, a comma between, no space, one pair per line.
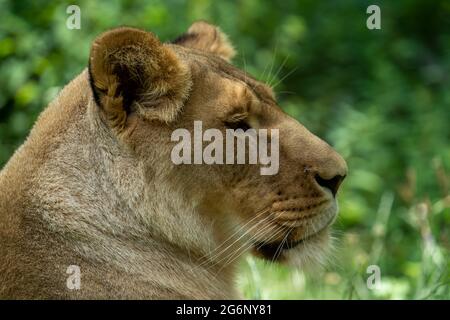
(332,184)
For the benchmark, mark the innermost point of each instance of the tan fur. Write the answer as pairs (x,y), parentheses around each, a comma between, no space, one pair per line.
(208,38)
(93,185)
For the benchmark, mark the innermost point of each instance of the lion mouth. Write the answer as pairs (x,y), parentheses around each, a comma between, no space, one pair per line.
(273,250)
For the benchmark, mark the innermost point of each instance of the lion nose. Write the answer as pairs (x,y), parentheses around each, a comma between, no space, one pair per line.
(331,172)
(332,184)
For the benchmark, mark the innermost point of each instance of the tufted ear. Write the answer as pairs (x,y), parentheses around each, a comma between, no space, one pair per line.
(132,71)
(206,37)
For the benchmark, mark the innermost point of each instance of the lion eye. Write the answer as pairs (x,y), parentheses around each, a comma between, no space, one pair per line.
(240,124)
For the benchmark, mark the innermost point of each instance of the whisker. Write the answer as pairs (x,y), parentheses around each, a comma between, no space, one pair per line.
(273,61)
(262,76)
(278,70)
(249,240)
(284,77)
(247,244)
(280,246)
(237,255)
(240,227)
(222,251)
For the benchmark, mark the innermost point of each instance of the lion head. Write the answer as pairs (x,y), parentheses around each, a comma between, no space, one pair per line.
(144,90)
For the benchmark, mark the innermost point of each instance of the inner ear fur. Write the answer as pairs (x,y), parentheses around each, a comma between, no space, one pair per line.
(132,71)
(209,38)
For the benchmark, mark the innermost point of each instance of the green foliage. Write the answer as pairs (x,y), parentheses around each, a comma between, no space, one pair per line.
(380,97)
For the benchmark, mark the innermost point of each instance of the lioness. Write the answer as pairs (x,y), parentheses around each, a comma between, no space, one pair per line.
(94,185)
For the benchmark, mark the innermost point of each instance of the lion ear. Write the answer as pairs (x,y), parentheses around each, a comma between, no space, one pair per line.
(206,37)
(132,71)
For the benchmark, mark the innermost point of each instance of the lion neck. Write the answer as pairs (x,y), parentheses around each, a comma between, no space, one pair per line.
(110,210)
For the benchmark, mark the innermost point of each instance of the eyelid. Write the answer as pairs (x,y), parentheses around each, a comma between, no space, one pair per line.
(237,117)
(238,124)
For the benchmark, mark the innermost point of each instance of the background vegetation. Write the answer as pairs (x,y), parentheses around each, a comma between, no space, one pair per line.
(381,97)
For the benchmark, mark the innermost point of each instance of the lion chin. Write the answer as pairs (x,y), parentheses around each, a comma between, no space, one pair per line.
(305,254)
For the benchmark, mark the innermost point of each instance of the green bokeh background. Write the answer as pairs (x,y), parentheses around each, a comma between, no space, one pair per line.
(380,97)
